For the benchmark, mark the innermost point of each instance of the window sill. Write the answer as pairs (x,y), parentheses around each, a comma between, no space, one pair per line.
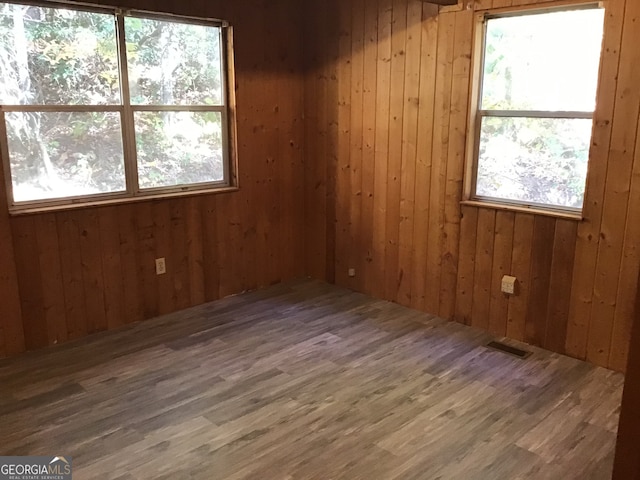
(523,209)
(84,203)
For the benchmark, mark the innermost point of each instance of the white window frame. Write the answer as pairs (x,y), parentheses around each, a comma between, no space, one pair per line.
(470,197)
(127,111)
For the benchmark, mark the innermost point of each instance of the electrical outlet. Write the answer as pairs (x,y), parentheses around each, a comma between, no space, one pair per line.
(509,285)
(161,266)
(352,272)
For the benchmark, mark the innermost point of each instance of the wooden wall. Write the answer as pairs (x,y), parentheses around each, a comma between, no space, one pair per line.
(627,462)
(378,99)
(387,91)
(88,270)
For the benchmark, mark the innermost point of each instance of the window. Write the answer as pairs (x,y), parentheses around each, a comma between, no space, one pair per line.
(539,76)
(101,104)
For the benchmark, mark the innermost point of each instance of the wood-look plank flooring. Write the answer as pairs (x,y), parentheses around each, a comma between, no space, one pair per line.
(308,381)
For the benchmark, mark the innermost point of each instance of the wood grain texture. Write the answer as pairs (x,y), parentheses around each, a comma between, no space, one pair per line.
(424,163)
(564,244)
(357,135)
(381,161)
(465,285)
(627,462)
(614,216)
(502,254)
(397,107)
(485,235)
(68,274)
(576,291)
(521,269)
(589,229)
(343,181)
(413,65)
(439,156)
(306,380)
(540,278)
(352,146)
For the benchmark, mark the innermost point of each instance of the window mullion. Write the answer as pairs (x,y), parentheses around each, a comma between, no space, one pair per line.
(128,126)
(178,108)
(60,108)
(536,114)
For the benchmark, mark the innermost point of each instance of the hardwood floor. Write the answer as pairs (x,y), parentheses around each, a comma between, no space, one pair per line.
(308,381)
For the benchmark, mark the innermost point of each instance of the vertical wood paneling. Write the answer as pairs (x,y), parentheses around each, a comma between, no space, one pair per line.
(455,161)
(628,282)
(589,229)
(480,312)
(92,273)
(540,279)
(146,254)
(343,180)
(259,163)
(409,151)
(93,269)
(331,86)
(291,135)
(521,269)
(396,118)
(195,249)
(71,265)
(273,151)
(383,86)
(466,265)
(179,254)
(564,245)
(426,112)
(575,279)
(627,461)
(31,295)
(129,261)
(614,216)
(315,161)
(51,277)
(502,253)
(357,139)
(365,279)
(211,258)
(444,74)
(162,236)
(112,267)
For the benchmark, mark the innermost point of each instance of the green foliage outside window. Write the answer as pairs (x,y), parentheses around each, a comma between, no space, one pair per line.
(55,57)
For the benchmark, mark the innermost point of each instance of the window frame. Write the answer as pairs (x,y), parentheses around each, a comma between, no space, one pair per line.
(127,110)
(477,113)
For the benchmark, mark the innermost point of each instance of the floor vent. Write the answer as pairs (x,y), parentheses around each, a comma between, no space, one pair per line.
(516,352)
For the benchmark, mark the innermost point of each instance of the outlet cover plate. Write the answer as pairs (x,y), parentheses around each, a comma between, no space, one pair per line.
(509,285)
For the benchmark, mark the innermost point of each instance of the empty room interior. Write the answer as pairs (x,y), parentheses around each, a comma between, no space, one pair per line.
(341,239)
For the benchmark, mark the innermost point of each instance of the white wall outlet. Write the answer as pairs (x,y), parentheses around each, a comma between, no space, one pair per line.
(161,266)
(509,285)
(352,272)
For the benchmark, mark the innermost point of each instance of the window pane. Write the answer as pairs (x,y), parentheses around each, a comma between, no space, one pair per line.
(53,56)
(55,154)
(543,62)
(173,63)
(535,160)
(179,148)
